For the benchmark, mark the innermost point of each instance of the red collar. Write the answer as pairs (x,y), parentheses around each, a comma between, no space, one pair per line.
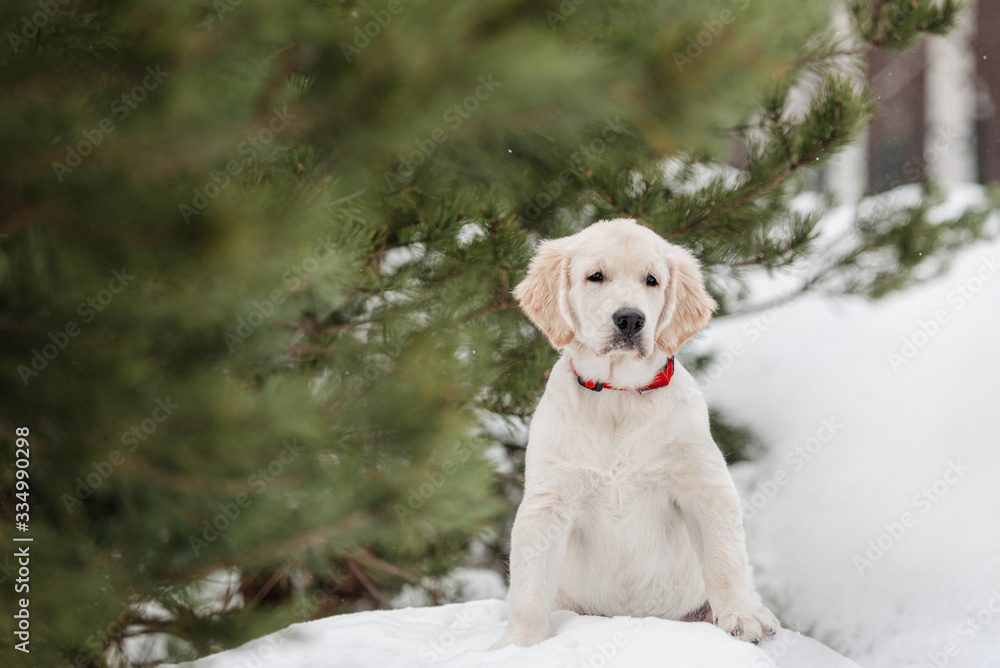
(661,379)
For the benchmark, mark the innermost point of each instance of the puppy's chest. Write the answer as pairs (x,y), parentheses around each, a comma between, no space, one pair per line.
(619,493)
(620,445)
(621,475)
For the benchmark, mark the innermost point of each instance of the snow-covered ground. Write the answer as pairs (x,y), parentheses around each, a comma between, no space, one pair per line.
(458,635)
(873,519)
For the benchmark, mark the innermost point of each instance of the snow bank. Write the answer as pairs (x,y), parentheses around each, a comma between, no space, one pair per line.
(458,635)
(872,521)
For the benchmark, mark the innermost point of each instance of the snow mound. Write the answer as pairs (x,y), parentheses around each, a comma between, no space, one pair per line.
(872,519)
(459,635)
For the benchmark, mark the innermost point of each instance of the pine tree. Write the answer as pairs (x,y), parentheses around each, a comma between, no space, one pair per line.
(256,262)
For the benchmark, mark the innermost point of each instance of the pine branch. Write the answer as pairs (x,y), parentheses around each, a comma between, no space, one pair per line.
(779,130)
(756,191)
(495,241)
(611,200)
(273,552)
(367,557)
(266,589)
(366,582)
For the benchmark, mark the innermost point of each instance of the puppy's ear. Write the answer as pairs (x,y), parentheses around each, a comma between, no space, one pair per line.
(543,292)
(688,306)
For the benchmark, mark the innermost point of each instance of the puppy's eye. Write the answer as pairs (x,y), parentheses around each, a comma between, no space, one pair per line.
(596,277)
(651,281)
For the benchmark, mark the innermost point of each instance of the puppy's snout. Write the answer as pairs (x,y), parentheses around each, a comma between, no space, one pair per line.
(629,321)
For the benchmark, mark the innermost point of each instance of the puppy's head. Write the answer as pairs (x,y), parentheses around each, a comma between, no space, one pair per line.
(615,288)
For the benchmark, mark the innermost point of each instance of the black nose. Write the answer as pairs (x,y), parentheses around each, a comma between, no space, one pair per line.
(629,320)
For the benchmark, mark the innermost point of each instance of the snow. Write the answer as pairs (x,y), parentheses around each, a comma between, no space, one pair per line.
(458,635)
(872,519)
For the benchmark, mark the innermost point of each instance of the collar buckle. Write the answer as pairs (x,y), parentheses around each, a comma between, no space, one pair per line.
(591,385)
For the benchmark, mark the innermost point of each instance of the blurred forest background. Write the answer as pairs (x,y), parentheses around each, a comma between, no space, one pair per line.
(256,262)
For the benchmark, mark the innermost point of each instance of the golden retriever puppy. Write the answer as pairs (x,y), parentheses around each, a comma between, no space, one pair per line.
(628,506)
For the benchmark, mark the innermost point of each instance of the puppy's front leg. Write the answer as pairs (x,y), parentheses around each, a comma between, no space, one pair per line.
(538,548)
(712,514)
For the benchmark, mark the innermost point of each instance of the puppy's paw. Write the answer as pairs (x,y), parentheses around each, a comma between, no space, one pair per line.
(751,624)
(522,635)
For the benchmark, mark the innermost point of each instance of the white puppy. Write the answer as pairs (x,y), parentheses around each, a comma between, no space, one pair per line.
(628,506)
